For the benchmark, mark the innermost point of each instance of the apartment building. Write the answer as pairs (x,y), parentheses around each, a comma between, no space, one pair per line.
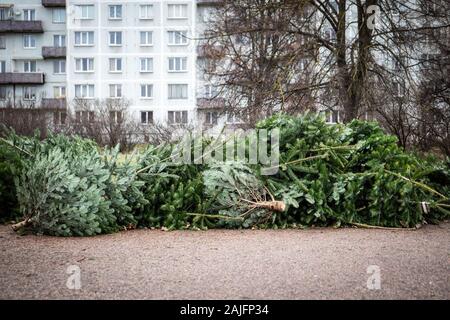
(33,53)
(142,51)
(56,53)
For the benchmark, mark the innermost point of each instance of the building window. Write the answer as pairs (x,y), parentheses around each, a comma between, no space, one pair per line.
(177,117)
(303,65)
(2,93)
(331,116)
(29,93)
(85,91)
(205,64)
(177,11)
(233,118)
(146,91)
(29,66)
(84,38)
(146,117)
(210,91)
(211,117)
(115,116)
(115,91)
(115,38)
(85,12)
(177,38)
(400,63)
(428,39)
(177,64)
(178,91)
(59,118)
(146,38)
(59,92)
(2,42)
(115,12)
(2,66)
(29,14)
(146,11)
(115,64)
(6,13)
(399,89)
(204,15)
(84,116)
(59,15)
(84,65)
(29,41)
(146,64)
(433,7)
(59,66)
(59,40)
(429,60)
(335,116)
(330,34)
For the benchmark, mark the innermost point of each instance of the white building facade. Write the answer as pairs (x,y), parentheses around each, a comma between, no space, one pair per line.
(32,52)
(141,51)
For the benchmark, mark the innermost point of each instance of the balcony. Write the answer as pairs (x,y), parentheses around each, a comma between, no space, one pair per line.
(53,52)
(209,2)
(210,104)
(54,3)
(210,51)
(18,26)
(21,78)
(54,103)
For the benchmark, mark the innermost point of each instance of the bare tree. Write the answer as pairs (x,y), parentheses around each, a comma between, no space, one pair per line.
(108,122)
(433,97)
(157,133)
(25,118)
(365,58)
(254,61)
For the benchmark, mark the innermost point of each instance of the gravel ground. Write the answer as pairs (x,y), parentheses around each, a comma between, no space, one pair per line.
(229,264)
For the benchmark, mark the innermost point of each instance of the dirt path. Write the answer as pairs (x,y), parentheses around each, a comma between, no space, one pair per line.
(223,264)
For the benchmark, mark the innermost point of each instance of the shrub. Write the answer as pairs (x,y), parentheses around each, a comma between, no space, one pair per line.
(10,165)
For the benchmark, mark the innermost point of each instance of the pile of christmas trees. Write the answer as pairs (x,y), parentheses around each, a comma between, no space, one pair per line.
(328,175)
(354,174)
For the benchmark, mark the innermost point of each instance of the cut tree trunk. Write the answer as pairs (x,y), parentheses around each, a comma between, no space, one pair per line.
(21,224)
